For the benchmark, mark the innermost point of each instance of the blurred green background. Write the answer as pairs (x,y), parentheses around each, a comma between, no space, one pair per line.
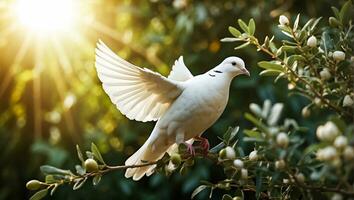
(51,99)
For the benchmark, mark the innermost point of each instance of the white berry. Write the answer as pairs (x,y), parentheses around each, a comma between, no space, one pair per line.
(238,163)
(253,155)
(282,140)
(340,142)
(283,20)
(338,55)
(347,101)
(312,41)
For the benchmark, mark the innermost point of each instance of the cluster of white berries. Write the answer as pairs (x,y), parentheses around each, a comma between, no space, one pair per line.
(330,133)
(337,55)
(230,154)
(298,178)
(327,132)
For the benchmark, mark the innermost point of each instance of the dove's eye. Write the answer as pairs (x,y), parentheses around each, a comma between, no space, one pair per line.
(233,63)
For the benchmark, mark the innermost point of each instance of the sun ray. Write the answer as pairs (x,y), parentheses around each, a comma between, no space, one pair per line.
(16,63)
(62,57)
(8,30)
(77,39)
(38,66)
(61,87)
(101,28)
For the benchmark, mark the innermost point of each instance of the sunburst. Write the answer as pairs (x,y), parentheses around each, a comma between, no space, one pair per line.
(49,29)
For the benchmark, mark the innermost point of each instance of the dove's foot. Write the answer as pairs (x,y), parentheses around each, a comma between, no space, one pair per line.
(204,143)
(190,148)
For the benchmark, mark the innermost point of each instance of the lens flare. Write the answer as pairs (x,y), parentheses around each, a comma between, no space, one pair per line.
(45,15)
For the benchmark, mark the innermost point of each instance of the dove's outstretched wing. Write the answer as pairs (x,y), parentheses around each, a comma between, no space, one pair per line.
(138,93)
(179,71)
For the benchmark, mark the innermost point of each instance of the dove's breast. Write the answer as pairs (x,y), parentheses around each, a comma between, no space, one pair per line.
(196,109)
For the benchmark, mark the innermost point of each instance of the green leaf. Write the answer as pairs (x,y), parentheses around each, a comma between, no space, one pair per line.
(97,153)
(286,30)
(344,13)
(79,183)
(253,134)
(270,72)
(253,140)
(335,11)
(242,45)
(243,25)
(296,23)
(256,122)
(79,154)
(217,148)
(291,59)
(80,170)
(251,26)
(227,134)
(279,76)
(234,31)
(228,39)
(183,171)
(226,197)
(256,109)
(315,23)
(289,49)
(230,134)
(47,169)
(198,190)
(39,195)
(50,179)
(308,23)
(96,179)
(270,65)
(54,189)
(275,114)
(258,185)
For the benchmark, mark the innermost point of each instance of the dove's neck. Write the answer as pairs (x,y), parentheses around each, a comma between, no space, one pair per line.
(221,80)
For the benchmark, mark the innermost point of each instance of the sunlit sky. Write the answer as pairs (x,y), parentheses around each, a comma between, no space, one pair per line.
(54,33)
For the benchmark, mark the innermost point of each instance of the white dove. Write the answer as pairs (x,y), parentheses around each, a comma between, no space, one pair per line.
(183,105)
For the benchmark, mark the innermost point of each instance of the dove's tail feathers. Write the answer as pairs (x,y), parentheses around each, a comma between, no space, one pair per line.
(145,154)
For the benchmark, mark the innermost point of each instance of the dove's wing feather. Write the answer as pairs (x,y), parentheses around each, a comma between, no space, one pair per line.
(140,94)
(179,71)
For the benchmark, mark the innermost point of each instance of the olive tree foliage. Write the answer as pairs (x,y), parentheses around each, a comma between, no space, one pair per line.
(316,59)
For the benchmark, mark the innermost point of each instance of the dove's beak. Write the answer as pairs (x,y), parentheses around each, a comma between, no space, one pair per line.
(245,71)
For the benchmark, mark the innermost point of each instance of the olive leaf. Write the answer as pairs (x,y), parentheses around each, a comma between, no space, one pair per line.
(79,183)
(97,153)
(79,154)
(47,169)
(198,190)
(96,179)
(251,26)
(234,31)
(243,25)
(39,195)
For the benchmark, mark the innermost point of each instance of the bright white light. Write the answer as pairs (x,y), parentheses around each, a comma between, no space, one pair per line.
(45,15)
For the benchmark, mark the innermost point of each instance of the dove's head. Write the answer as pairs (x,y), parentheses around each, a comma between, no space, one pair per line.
(234,66)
